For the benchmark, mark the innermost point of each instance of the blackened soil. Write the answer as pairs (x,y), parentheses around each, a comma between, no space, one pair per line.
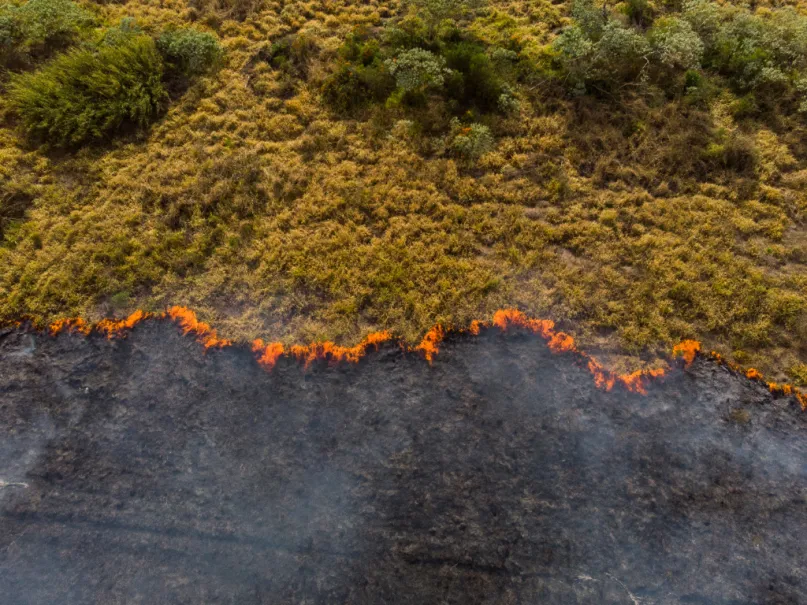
(144,471)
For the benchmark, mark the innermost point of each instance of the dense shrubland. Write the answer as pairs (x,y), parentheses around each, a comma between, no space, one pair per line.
(97,80)
(317,169)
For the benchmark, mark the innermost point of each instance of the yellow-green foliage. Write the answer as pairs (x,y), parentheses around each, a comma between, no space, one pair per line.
(633,221)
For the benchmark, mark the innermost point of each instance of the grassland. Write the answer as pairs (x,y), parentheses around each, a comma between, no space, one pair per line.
(275,216)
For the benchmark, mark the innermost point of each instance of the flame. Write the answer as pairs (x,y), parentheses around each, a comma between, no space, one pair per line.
(118,328)
(267,355)
(331,351)
(504,318)
(203,332)
(73,324)
(428,346)
(688,349)
(753,374)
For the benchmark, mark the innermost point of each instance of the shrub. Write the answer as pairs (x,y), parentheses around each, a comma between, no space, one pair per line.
(434,12)
(675,44)
(621,52)
(416,70)
(39,27)
(189,52)
(85,94)
(293,54)
(352,86)
(589,18)
(477,80)
(470,142)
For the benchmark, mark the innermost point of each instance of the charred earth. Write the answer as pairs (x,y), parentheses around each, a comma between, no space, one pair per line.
(143,470)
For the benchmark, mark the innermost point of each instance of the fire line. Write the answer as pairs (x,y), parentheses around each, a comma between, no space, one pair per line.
(267,354)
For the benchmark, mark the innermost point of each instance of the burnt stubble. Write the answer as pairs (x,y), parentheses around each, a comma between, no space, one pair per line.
(143,470)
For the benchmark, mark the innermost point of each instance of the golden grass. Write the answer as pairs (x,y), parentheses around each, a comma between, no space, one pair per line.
(273,218)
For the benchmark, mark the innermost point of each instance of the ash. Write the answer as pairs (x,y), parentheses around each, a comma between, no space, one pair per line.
(145,471)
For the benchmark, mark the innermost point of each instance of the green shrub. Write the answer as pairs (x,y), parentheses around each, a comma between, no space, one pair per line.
(86,94)
(37,28)
(189,52)
(293,54)
(618,54)
(477,82)
(417,69)
(762,52)
(353,86)
(675,44)
(470,142)
(434,12)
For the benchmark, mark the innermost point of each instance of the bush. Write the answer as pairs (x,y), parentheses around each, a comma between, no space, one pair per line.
(477,80)
(434,12)
(86,94)
(470,142)
(189,52)
(417,70)
(352,86)
(39,27)
(675,44)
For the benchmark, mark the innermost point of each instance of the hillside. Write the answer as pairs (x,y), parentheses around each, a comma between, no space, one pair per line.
(318,170)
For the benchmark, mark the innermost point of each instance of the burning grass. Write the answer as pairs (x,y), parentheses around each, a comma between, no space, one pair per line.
(268,354)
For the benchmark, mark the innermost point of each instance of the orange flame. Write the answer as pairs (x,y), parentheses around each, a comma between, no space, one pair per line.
(189,324)
(333,352)
(753,374)
(267,355)
(118,328)
(428,346)
(688,349)
(74,324)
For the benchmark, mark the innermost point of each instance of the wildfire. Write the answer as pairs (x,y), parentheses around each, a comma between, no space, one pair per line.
(333,352)
(428,346)
(267,354)
(203,332)
(118,328)
(687,350)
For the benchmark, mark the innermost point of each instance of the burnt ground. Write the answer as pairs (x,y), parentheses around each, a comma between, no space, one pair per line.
(144,471)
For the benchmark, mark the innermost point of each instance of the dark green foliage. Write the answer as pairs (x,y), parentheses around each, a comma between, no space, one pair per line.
(765,53)
(37,28)
(361,76)
(353,86)
(188,52)
(86,94)
(476,81)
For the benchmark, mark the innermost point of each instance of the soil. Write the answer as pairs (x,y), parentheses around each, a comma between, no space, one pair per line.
(144,470)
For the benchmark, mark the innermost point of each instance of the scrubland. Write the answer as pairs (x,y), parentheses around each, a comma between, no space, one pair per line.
(636,172)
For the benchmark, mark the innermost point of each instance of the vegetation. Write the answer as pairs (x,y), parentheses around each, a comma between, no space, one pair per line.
(86,93)
(636,172)
(37,28)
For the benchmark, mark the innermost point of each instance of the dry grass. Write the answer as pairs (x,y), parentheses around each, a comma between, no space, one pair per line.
(251,202)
